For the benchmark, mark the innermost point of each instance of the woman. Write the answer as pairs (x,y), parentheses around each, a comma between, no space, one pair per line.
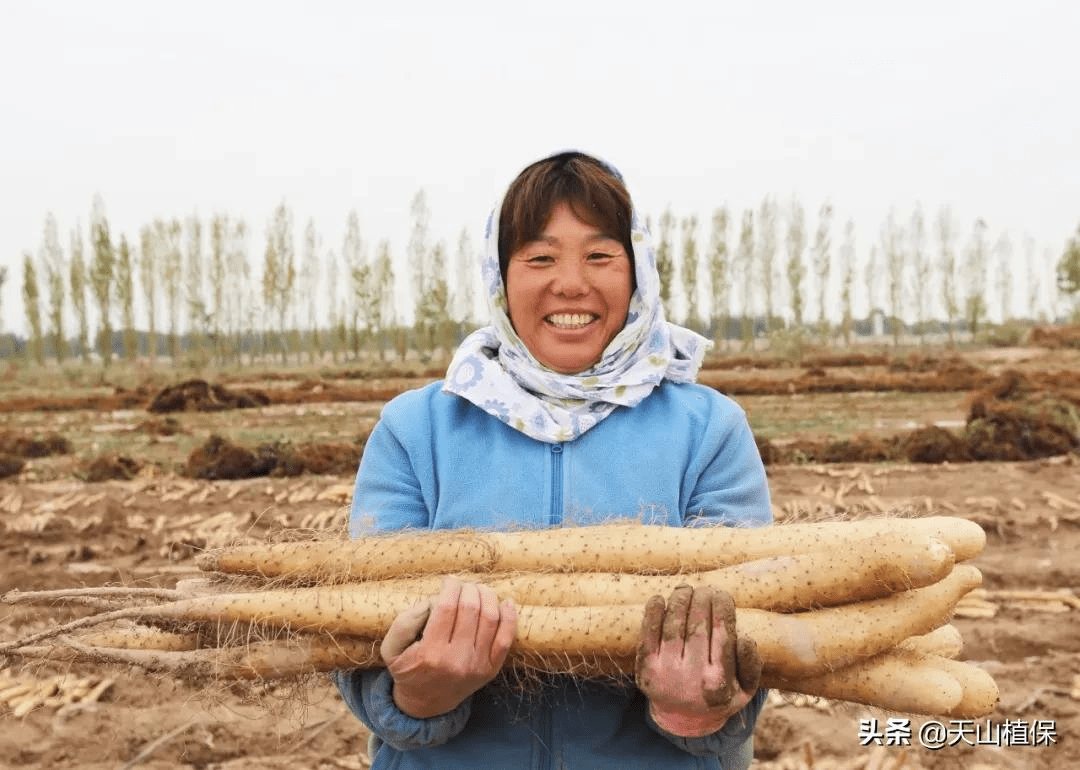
(577,405)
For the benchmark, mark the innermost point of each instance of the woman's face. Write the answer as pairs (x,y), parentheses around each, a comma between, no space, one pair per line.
(568,292)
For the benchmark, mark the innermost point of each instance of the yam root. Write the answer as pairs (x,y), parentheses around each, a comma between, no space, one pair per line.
(896,680)
(798,644)
(868,570)
(602,548)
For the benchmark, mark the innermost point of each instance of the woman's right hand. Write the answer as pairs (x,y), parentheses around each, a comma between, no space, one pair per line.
(466,635)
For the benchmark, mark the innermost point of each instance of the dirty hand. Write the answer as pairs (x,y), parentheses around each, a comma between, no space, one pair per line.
(467,634)
(691,665)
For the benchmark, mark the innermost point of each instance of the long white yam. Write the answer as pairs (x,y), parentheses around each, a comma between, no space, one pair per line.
(791,645)
(895,680)
(868,570)
(117,594)
(601,548)
(811,643)
(277,659)
(899,679)
(980,690)
(945,641)
(134,636)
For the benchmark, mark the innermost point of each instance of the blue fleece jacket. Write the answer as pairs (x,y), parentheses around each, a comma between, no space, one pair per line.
(683,457)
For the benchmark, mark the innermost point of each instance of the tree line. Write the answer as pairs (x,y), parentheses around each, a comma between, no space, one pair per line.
(766,270)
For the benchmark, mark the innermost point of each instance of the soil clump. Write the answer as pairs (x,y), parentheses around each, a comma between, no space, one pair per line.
(219,458)
(1055,337)
(201,396)
(112,467)
(1016,417)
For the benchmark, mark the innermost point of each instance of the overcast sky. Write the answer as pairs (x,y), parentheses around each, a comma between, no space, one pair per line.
(173,108)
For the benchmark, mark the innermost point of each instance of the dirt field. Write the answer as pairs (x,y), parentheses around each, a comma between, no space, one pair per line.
(58,531)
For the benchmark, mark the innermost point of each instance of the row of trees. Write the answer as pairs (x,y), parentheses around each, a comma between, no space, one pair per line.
(921,273)
(191,285)
(197,292)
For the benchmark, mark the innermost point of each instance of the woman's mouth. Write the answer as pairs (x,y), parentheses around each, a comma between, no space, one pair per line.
(570,321)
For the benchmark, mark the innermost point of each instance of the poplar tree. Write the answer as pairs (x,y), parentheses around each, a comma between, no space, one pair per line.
(796,268)
(892,246)
(198,320)
(870,279)
(1034,287)
(417,254)
(847,281)
(352,256)
(442,298)
(102,277)
(665,264)
(822,259)
(690,270)
(432,313)
(920,265)
(363,301)
(279,272)
(464,269)
(78,281)
(383,311)
(52,259)
(218,279)
(125,298)
(1003,255)
(975,272)
(947,268)
(244,301)
(35,345)
(1060,289)
(744,259)
(336,324)
(766,257)
(1068,270)
(149,247)
(169,236)
(719,275)
(309,287)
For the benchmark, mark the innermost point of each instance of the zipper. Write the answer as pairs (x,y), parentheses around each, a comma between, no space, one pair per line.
(556,485)
(555,518)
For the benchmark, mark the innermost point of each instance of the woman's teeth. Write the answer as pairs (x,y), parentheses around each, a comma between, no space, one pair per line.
(570,321)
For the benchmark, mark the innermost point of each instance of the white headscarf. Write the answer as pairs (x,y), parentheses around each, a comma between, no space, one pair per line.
(494,370)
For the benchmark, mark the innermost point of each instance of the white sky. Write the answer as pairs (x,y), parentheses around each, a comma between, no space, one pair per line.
(173,108)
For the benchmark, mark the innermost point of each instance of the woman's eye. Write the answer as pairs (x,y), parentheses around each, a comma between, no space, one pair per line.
(539,259)
(599,255)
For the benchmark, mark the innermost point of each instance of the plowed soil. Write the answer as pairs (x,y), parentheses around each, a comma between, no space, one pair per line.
(146,530)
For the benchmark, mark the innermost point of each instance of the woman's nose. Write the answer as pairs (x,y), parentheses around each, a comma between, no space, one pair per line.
(570,279)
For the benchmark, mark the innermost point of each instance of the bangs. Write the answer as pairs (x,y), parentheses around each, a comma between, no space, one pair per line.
(594,195)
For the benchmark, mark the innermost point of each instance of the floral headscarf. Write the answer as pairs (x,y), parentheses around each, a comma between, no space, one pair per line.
(494,370)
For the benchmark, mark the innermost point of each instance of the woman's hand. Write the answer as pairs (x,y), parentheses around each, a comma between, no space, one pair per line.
(691,665)
(467,634)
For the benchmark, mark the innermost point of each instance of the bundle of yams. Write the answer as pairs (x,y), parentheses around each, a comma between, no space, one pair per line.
(849,610)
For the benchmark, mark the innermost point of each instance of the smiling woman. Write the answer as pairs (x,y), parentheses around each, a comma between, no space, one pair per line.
(568,292)
(576,405)
(567,259)
(560,247)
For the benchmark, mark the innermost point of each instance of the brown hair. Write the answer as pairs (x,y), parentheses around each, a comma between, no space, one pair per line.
(595,194)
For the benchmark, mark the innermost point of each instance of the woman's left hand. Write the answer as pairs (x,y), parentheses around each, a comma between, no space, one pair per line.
(694,669)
